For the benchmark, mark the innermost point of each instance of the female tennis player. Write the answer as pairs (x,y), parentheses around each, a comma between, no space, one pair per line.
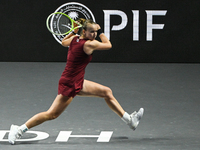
(72,80)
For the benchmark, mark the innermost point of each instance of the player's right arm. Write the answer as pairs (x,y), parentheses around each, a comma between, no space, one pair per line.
(67,39)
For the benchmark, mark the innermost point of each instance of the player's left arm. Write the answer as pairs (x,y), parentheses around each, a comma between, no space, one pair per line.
(90,46)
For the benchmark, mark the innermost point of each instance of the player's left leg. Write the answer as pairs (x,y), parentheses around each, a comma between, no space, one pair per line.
(97,90)
(94,89)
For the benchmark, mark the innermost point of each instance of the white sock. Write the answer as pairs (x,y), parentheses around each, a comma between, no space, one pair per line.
(126,118)
(23,128)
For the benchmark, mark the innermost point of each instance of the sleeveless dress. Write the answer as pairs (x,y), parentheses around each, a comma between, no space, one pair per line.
(71,81)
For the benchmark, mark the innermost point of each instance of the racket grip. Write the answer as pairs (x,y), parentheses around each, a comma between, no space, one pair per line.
(73,32)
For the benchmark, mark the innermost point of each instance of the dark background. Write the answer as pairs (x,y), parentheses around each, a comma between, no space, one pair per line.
(24,36)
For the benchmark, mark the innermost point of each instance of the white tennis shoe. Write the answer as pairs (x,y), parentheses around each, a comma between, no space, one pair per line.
(135,118)
(15,133)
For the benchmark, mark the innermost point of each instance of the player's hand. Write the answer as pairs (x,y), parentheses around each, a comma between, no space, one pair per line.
(98,26)
(75,25)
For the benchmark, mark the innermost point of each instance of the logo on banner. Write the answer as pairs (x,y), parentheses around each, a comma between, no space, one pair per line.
(77,10)
(74,10)
(63,136)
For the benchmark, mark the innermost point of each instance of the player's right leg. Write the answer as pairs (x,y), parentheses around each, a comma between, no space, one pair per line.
(59,105)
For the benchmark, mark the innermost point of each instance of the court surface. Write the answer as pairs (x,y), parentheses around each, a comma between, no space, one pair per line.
(169,93)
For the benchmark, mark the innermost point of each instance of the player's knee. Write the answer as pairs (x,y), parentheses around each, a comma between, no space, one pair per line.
(52,116)
(108,92)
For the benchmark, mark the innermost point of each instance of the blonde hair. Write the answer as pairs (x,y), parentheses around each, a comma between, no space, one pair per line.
(85,22)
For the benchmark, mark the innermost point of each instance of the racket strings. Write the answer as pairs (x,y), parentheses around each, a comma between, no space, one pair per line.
(61,24)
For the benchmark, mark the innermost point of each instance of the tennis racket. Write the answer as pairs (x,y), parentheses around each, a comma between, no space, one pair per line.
(59,23)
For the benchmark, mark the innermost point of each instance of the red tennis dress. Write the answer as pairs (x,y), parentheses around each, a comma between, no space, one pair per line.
(71,81)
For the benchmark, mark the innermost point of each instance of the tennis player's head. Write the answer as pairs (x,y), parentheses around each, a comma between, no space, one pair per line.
(89,29)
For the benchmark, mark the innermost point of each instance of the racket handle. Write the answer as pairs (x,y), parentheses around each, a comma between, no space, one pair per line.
(73,32)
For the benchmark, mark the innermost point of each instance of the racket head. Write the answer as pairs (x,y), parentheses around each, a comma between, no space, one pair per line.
(59,23)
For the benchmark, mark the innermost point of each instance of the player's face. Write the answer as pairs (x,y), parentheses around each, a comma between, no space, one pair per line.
(91,31)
